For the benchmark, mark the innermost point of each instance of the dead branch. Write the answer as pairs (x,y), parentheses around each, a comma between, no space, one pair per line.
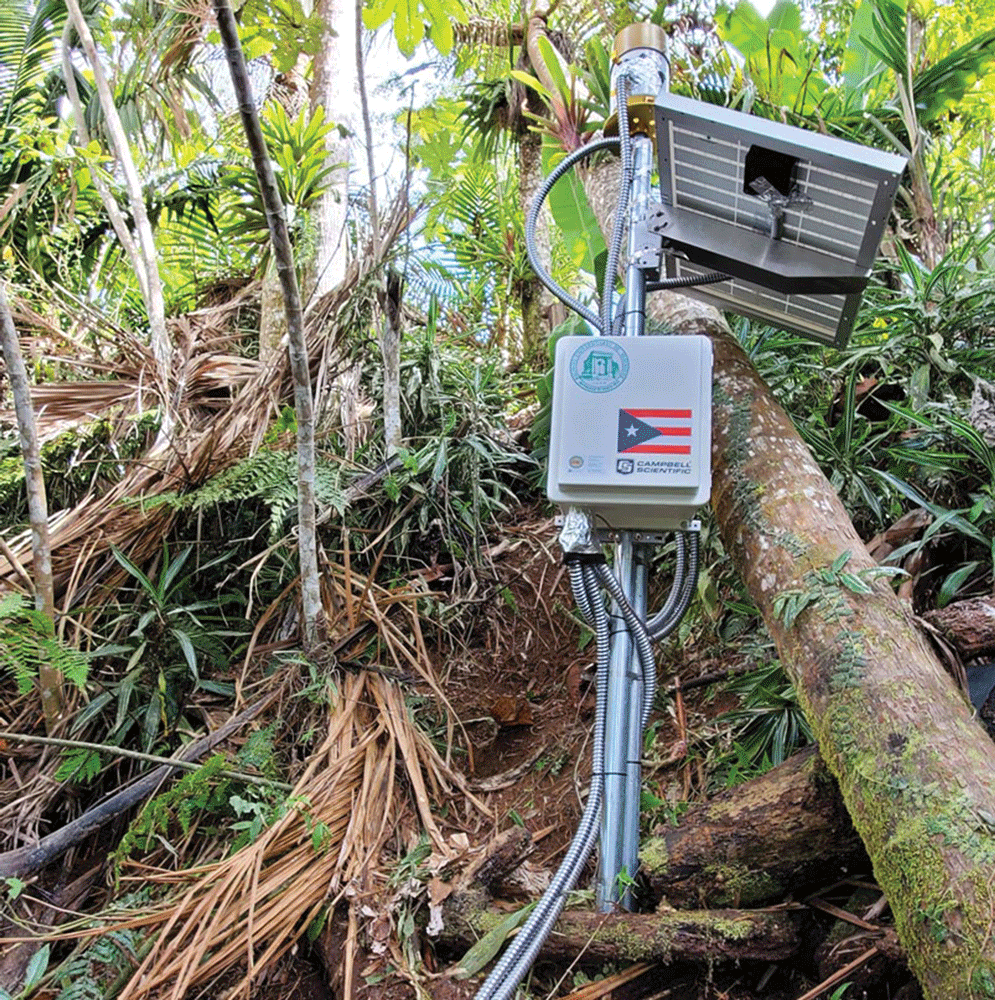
(26,861)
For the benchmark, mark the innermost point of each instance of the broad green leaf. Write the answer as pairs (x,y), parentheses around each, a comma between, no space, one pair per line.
(784,45)
(572,213)
(440,28)
(408,26)
(36,967)
(744,28)
(943,85)
(550,58)
(377,14)
(133,570)
(786,17)
(189,653)
(489,945)
(853,583)
(952,584)
(171,569)
(841,560)
(14,886)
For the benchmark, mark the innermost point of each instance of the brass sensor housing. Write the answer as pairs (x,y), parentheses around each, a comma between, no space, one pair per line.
(639,49)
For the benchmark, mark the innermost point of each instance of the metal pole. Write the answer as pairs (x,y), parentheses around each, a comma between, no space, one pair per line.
(634,745)
(616,737)
(623,736)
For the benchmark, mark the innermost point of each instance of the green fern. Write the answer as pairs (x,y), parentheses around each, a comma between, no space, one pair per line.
(194,792)
(28,640)
(106,958)
(268,476)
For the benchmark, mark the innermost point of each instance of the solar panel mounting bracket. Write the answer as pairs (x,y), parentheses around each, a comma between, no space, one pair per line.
(755,257)
(648,243)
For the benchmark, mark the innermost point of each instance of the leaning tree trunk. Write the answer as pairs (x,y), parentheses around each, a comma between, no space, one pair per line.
(916,772)
(307,538)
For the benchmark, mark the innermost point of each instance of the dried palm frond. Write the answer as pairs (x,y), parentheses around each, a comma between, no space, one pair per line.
(209,443)
(250,908)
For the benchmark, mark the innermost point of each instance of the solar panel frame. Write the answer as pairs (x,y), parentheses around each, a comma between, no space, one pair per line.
(811,278)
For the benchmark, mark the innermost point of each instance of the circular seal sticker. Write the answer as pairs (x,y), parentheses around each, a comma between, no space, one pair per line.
(599,365)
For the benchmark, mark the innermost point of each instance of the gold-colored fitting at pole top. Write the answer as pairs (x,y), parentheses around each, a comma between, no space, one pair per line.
(642,120)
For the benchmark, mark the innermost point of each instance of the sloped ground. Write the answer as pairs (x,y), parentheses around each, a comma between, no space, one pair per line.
(511,660)
(522,687)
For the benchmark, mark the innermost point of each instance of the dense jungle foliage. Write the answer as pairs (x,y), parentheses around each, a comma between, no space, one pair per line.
(175,560)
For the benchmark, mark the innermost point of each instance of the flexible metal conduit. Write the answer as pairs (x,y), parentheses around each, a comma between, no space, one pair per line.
(531,220)
(587,580)
(621,208)
(682,591)
(602,323)
(520,954)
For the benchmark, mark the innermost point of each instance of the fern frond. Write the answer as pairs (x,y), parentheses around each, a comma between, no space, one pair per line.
(268,476)
(28,640)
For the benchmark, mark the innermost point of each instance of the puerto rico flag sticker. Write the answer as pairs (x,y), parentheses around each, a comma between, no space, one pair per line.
(654,432)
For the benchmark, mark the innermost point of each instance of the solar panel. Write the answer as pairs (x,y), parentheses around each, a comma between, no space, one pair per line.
(793,217)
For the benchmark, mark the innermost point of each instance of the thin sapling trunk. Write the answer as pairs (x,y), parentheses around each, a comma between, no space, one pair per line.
(283,254)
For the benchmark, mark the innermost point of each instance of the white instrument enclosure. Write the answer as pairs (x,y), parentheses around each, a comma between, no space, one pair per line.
(630,437)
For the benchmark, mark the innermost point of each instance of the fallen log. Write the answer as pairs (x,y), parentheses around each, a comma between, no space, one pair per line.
(969,626)
(666,936)
(758,843)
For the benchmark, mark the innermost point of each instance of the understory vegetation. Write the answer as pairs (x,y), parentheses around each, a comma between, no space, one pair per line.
(448,698)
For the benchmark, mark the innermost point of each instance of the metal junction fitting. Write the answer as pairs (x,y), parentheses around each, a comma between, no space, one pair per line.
(640,51)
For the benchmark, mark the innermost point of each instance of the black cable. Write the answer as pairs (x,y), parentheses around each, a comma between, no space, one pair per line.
(688,281)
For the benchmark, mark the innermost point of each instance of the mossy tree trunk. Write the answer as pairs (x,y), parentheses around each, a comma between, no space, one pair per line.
(916,772)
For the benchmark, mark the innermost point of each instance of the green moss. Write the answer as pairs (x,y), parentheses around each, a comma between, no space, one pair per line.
(740,885)
(983,981)
(631,946)
(939,927)
(654,854)
(667,926)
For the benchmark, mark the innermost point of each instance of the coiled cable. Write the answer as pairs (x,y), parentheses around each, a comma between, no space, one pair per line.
(531,221)
(682,591)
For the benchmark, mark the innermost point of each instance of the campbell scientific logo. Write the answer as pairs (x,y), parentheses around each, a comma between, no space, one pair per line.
(625,466)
